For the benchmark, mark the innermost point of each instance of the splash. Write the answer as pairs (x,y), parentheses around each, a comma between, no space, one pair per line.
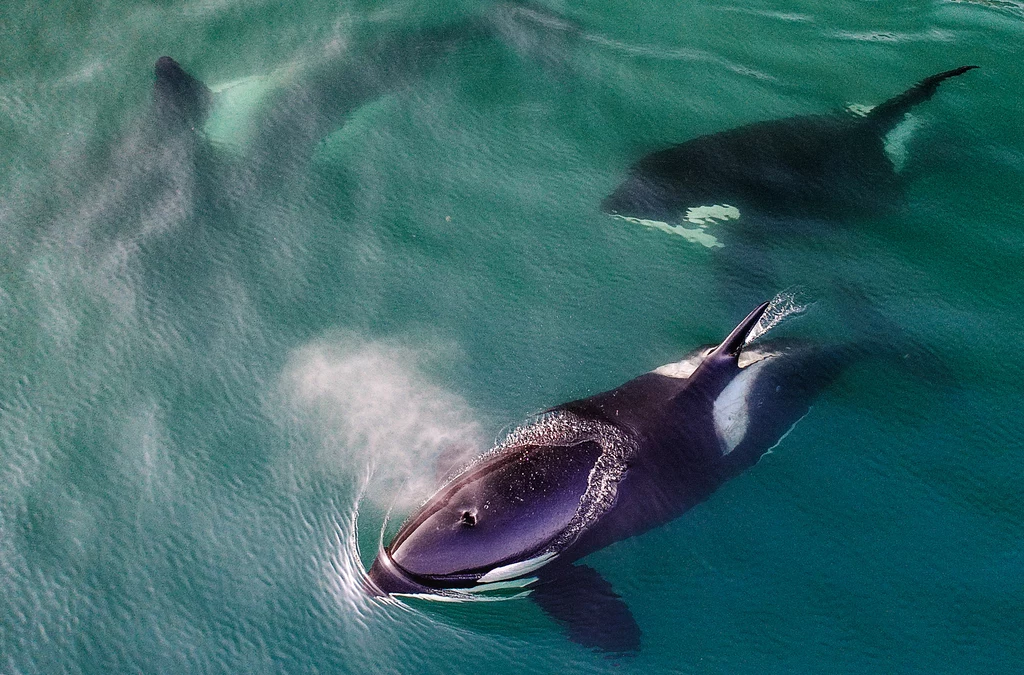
(567,429)
(782,306)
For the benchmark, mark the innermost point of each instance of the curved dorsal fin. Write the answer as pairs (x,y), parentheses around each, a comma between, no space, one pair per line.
(729,351)
(887,114)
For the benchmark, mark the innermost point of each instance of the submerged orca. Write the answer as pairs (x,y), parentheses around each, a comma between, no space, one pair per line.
(808,166)
(598,470)
(180,100)
(279,118)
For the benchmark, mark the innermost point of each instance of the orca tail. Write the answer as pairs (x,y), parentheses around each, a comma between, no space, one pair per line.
(180,100)
(888,114)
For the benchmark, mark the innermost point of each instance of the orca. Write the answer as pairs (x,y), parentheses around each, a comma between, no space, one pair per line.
(180,100)
(277,120)
(816,166)
(591,472)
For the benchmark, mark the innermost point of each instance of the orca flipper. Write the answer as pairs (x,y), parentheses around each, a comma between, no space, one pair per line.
(579,599)
(888,114)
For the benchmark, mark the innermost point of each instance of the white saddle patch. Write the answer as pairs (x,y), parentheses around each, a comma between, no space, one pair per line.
(701,216)
(709,215)
(236,105)
(695,235)
(732,407)
(896,141)
(684,368)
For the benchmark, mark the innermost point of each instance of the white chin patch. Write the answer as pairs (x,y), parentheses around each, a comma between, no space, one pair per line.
(501,585)
(517,569)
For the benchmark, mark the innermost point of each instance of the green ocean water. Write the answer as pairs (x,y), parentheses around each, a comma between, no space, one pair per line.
(224,360)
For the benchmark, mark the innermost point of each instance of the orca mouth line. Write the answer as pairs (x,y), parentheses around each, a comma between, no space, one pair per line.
(398,579)
(386,571)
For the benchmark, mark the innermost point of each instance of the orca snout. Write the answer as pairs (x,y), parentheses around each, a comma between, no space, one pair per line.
(386,578)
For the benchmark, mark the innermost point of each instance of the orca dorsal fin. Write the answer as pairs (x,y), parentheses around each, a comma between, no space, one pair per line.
(888,114)
(728,352)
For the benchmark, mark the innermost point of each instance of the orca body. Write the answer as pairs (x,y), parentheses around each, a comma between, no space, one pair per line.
(180,100)
(298,106)
(822,166)
(595,471)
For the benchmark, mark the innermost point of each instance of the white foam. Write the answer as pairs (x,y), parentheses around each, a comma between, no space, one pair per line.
(860,109)
(782,306)
(562,428)
(453,596)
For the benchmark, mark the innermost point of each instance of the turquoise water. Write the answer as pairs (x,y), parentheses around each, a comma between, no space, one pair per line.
(224,363)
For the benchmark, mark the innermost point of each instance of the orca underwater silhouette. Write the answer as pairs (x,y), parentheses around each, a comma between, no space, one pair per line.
(830,166)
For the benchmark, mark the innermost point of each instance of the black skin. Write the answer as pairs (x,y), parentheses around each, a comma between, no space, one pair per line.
(678,462)
(180,100)
(822,166)
(318,102)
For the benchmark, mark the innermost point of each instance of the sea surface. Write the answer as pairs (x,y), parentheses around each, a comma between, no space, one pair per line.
(233,359)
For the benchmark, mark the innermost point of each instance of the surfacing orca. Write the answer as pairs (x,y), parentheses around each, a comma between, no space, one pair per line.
(820,166)
(598,470)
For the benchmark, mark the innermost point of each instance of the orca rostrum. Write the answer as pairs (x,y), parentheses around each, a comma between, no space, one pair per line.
(591,472)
